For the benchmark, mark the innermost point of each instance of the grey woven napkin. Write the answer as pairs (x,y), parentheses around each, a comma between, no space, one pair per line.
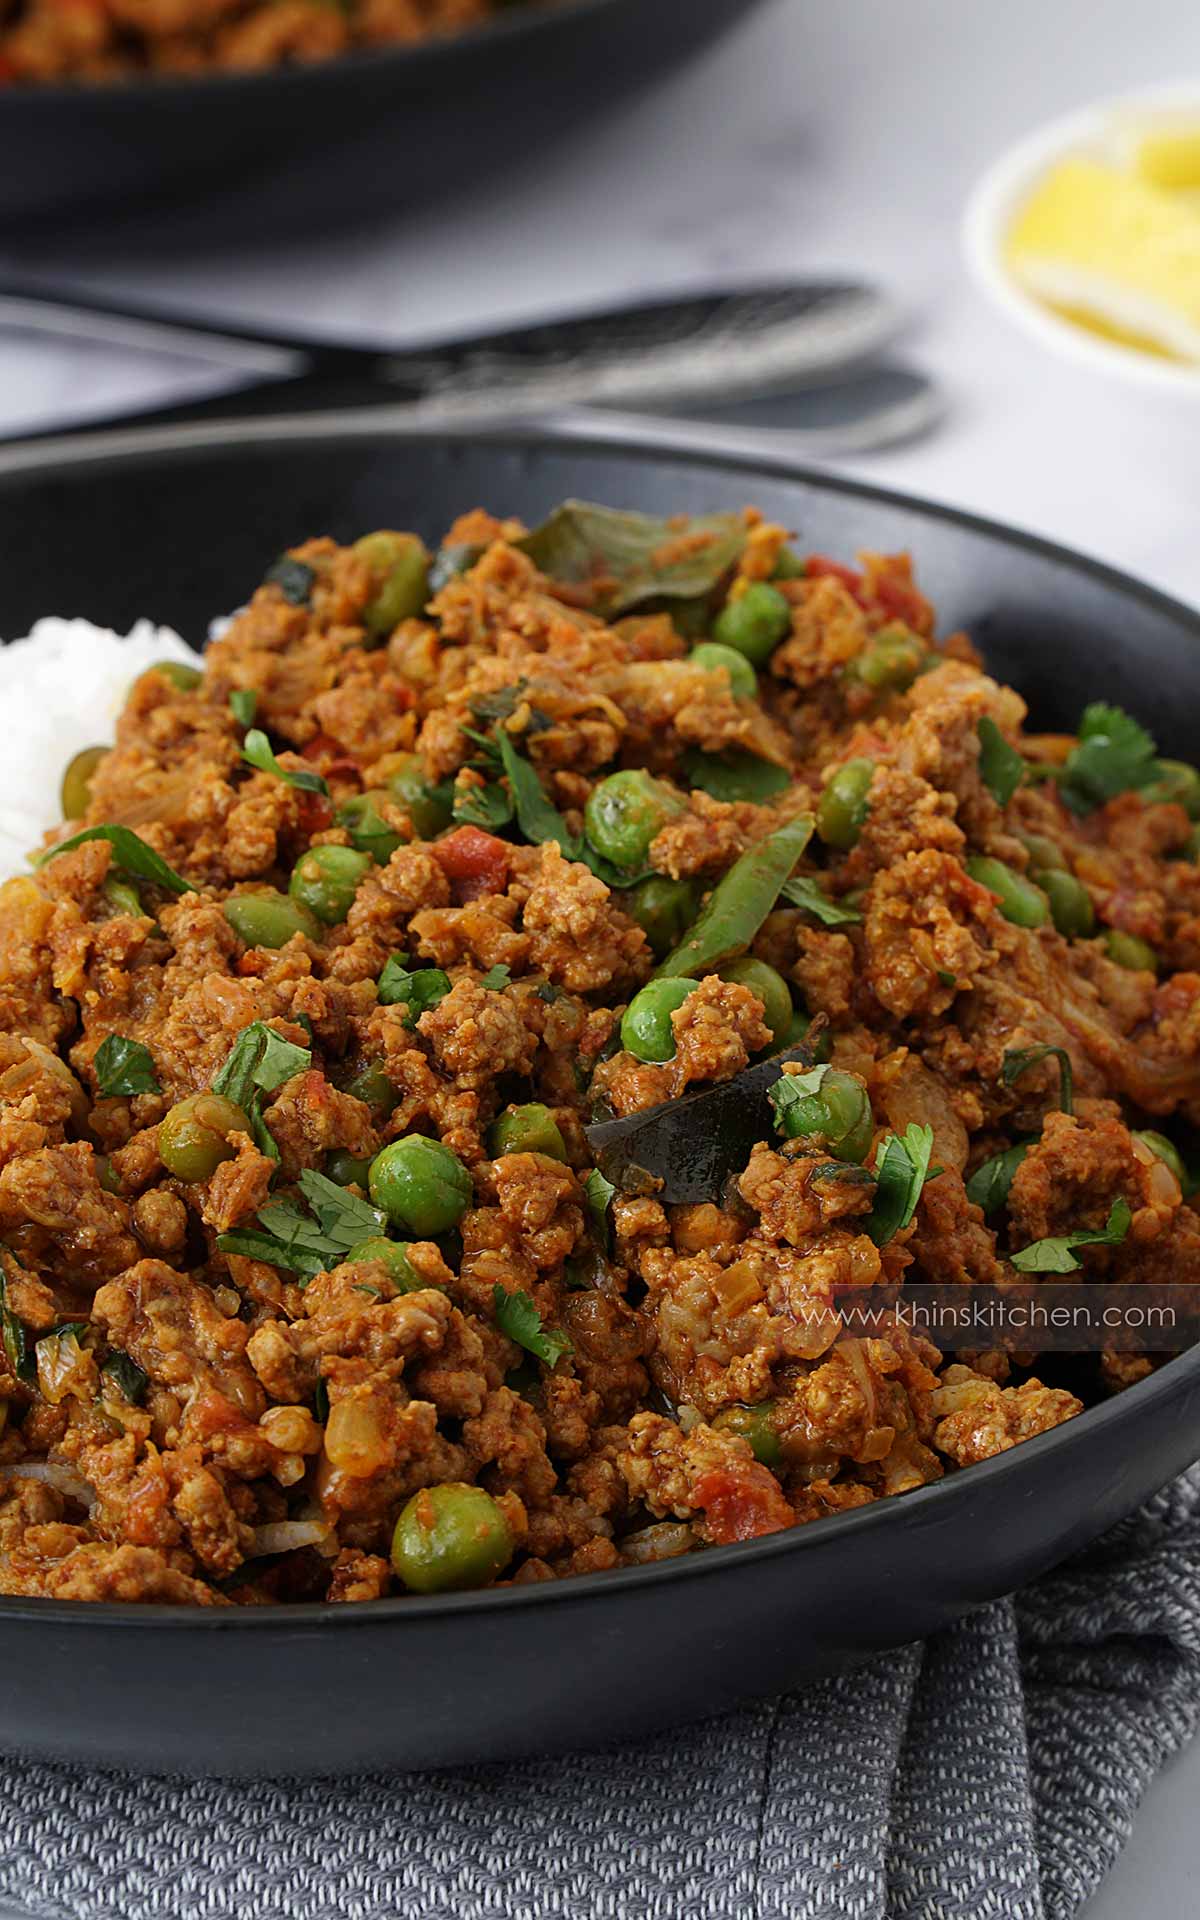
(994,1771)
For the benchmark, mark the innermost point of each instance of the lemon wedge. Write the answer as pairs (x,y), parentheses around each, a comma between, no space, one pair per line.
(1114,252)
(1168,157)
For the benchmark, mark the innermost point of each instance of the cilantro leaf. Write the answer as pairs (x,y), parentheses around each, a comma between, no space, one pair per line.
(598,1192)
(290,1238)
(124,1067)
(1018,1060)
(1001,767)
(131,853)
(517,1316)
(537,817)
(262,1058)
(989,1184)
(294,578)
(790,1093)
(1114,754)
(256,749)
(343,1216)
(1056,1254)
(131,1380)
(496,978)
(417,990)
(243,704)
(901,1170)
(489,806)
(809,895)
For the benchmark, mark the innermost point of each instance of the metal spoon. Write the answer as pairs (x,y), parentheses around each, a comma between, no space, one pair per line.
(672,353)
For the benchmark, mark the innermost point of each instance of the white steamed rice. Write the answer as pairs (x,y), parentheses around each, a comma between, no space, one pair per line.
(61,689)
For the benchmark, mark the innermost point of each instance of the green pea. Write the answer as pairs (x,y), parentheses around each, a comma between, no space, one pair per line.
(797,1030)
(394,1255)
(76,790)
(624,812)
(449,1538)
(839,1111)
(756,1425)
(400,568)
(372,1086)
(528,1129)
(1128,951)
(1071,906)
(107,1174)
(664,909)
(368,830)
(347,1169)
(421,1185)
(1178,782)
(646,1030)
(789,566)
(742,678)
(180,676)
(269,918)
(193,1138)
(1167,1152)
(754,623)
(326,879)
(1044,853)
(769,986)
(429,808)
(123,895)
(891,662)
(1020,901)
(844,805)
(734,776)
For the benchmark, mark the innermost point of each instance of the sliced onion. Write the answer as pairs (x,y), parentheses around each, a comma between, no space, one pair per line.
(56,1474)
(285,1536)
(666,1541)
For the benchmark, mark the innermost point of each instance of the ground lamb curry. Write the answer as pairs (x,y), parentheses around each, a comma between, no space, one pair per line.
(311,1288)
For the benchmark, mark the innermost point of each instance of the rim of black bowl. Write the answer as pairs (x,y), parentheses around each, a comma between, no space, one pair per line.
(514,22)
(591,437)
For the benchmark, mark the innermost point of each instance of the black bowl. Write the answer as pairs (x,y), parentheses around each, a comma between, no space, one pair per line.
(177,523)
(249,155)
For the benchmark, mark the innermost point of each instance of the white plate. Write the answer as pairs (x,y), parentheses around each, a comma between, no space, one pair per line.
(1009,181)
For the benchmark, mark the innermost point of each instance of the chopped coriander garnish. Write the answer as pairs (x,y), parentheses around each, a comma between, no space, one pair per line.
(287,1237)
(496,978)
(788,1092)
(256,749)
(261,1058)
(989,1185)
(418,990)
(124,1067)
(1056,1254)
(517,1316)
(243,704)
(1018,1060)
(901,1170)
(598,1192)
(1114,754)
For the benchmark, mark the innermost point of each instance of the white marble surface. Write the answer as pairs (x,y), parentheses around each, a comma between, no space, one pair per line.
(840,136)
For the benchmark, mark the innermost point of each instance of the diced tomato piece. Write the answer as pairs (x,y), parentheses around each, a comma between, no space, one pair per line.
(742,1503)
(315,812)
(474,862)
(819,565)
(330,756)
